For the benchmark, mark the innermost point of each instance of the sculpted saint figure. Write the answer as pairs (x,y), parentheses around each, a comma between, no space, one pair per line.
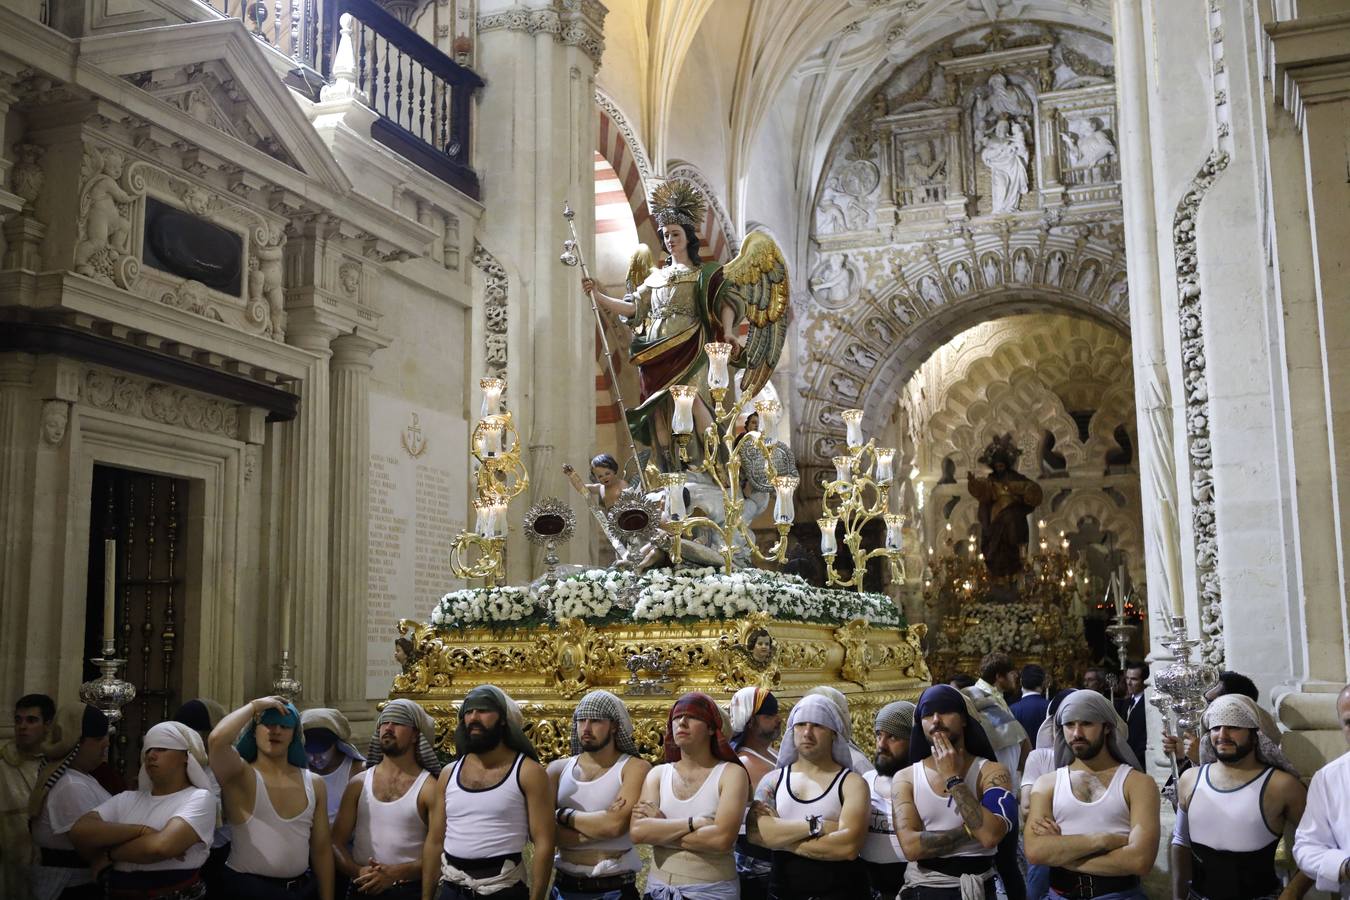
(1005,153)
(1006,498)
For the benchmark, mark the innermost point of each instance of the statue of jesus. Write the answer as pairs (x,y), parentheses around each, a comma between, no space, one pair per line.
(1006,499)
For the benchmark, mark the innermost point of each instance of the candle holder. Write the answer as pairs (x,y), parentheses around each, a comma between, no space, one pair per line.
(859,493)
(501,477)
(725,473)
(108,693)
(286,684)
(1185,681)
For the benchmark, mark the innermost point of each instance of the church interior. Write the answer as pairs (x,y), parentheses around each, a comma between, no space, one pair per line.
(356,350)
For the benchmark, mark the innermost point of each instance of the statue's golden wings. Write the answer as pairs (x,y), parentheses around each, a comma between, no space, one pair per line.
(757,278)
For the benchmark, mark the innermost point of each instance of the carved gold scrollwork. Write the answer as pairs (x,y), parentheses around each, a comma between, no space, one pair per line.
(574,653)
(857,665)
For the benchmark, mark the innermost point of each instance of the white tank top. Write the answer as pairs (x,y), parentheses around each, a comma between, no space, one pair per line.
(704,801)
(481,823)
(1229,820)
(1109,813)
(594,796)
(881,845)
(940,813)
(336,782)
(828,805)
(267,844)
(389,832)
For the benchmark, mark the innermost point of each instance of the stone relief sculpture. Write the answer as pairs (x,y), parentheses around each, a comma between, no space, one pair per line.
(27,176)
(860,356)
(960,278)
(1073,69)
(55,416)
(1004,152)
(1087,142)
(1118,294)
(265,290)
(930,292)
(923,176)
(105,218)
(1054,269)
(1087,278)
(844,386)
(879,329)
(835,280)
(845,201)
(1022,266)
(989,267)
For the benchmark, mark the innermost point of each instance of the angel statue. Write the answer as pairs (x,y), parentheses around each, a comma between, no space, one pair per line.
(686,302)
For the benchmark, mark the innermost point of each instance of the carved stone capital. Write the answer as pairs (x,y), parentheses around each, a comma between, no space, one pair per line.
(575,23)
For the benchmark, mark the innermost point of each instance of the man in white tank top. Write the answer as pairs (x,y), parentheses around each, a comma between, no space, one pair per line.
(953,804)
(1094,820)
(275,806)
(328,744)
(597,788)
(1234,807)
(489,803)
(812,810)
(381,827)
(755,726)
(881,851)
(692,807)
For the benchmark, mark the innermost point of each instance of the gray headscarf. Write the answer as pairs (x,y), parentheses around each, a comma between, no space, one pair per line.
(896,719)
(410,713)
(1090,706)
(492,698)
(817,710)
(333,721)
(604,705)
(1240,711)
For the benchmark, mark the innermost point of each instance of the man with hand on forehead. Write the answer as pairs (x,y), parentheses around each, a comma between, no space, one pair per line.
(155,838)
(385,807)
(692,806)
(1094,820)
(597,788)
(276,807)
(953,804)
(488,805)
(1234,807)
(812,810)
(881,850)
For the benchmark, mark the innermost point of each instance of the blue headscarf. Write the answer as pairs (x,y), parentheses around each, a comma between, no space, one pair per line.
(943,698)
(247,745)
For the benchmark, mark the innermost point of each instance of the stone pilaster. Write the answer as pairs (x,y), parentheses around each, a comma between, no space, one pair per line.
(16,438)
(304,515)
(349,519)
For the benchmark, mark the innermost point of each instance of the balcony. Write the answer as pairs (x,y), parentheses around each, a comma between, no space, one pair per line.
(422,97)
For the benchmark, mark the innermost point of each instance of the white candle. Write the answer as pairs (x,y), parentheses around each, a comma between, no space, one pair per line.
(769,411)
(843,468)
(492,395)
(895,538)
(675,510)
(287,605)
(784,486)
(498,516)
(682,422)
(1120,597)
(828,547)
(718,356)
(109,588)
(885,458)
(482,517)
(853,420)
(490,437)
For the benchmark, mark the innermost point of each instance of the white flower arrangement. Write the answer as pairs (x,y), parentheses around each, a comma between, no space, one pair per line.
(690,594)
(1004,625)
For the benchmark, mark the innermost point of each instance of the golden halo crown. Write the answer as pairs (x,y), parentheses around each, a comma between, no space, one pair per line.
(1003,448)
(677,202)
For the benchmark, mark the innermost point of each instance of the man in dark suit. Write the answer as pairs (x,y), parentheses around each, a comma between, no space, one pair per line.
(1132,708)
(1030,707)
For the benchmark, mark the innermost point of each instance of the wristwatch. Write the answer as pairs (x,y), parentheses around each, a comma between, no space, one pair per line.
(813,825)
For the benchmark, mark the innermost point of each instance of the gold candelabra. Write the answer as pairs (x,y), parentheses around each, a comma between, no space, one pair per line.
(859,493)
(721,461)
(501,476)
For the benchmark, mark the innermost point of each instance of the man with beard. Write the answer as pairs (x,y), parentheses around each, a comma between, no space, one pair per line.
(953,804)
(489,804)
(692,806)
(859,761)
(1094,820)
(812,810)
(1322,845)
(1234,807)
(280,846)
(597,788)
(385,807)
(881,850)
(755,724)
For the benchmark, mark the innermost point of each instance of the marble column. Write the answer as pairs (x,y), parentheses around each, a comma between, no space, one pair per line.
(349,521)
(17,413)
(304,516)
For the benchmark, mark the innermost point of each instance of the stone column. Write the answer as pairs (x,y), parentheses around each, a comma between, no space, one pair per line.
(304,515)
(349,521)
(17,414)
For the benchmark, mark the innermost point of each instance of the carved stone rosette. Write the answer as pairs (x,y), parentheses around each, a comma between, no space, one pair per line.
(547,669)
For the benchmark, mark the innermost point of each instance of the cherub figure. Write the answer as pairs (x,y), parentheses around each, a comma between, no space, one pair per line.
(105,226)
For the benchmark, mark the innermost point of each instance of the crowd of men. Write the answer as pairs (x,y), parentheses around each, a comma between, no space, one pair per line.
(264,802)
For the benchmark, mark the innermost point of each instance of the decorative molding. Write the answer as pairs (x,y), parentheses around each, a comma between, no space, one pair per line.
(575,23)
(158,402)
(495,297)
(641,160)
(110,195)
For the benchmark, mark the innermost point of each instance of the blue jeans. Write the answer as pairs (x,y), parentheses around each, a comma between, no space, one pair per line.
(1038,881)
(607,895)
(1136,894)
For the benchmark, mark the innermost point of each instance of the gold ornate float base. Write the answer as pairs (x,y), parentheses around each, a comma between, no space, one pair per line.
(548,668)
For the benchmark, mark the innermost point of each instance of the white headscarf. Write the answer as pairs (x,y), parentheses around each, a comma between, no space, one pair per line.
(175,736)
(1241,711)
(1090,706)
(817,710)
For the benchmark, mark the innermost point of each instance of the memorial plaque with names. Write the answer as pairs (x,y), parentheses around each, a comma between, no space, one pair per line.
(418,494)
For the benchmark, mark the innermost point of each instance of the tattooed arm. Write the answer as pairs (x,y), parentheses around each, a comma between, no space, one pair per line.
(917,843)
